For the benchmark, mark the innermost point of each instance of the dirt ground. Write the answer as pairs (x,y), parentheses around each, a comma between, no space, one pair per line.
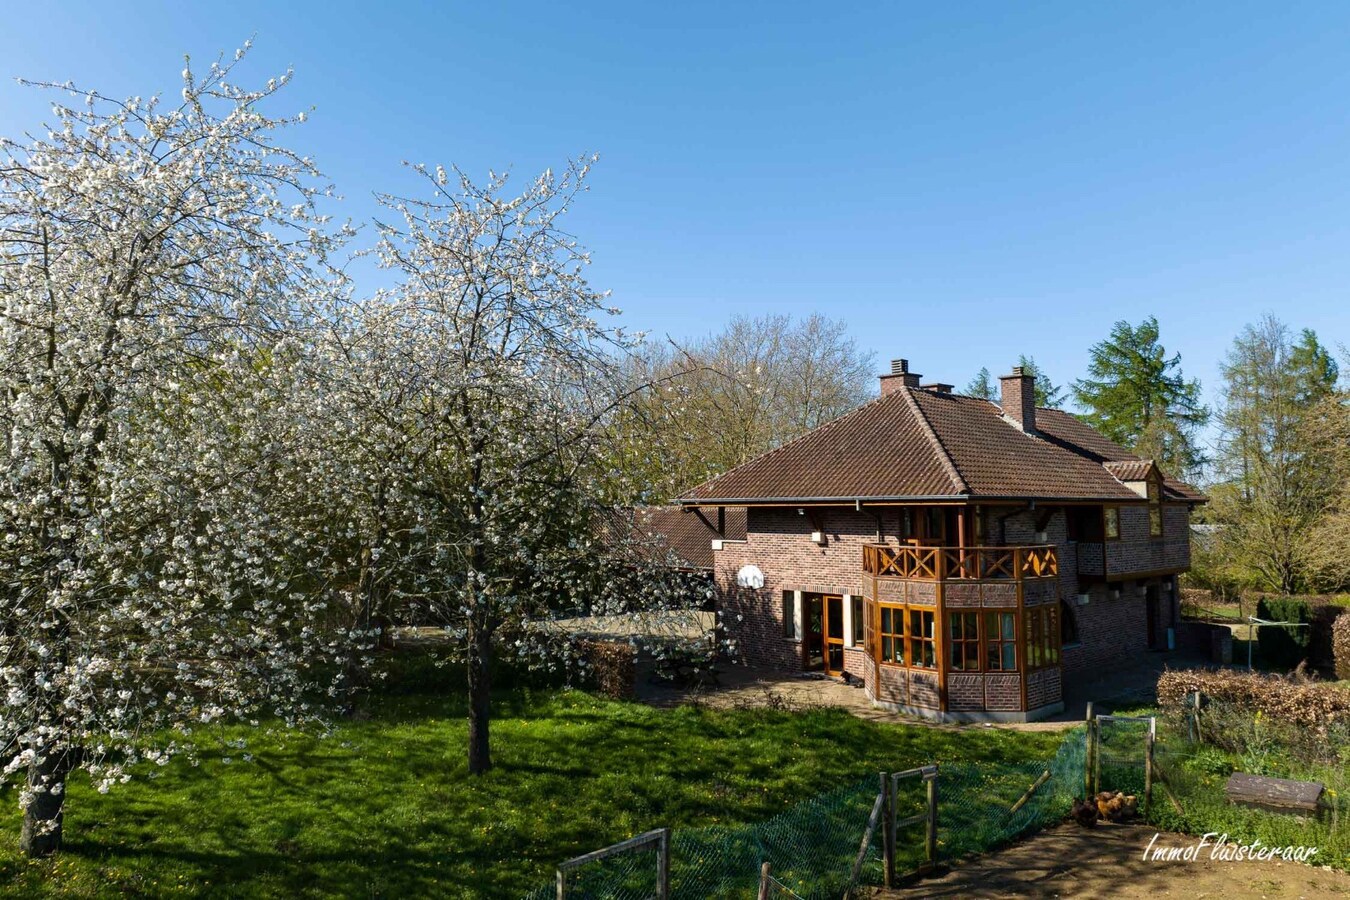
(1069,861)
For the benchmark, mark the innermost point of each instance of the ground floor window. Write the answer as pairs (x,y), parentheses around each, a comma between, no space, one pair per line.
(1042,630)
(1000,641)
(922,639)
(892,634)
(963,629)
(859,620)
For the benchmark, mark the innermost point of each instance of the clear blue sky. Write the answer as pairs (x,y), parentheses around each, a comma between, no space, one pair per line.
(960,182)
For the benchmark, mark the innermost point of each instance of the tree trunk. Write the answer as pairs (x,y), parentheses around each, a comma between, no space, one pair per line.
(41,834)
(480,711)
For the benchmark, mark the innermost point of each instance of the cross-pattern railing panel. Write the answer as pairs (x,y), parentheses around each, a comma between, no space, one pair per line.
(960,563)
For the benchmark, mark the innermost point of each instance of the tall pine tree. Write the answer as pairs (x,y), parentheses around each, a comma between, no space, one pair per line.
(1136,395)
(1048,394)
(982,386)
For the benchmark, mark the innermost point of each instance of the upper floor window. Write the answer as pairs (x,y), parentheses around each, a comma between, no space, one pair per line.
(1111,522)
(1155,516)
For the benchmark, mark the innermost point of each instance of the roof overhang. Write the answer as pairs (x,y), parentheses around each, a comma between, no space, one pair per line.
(964,499)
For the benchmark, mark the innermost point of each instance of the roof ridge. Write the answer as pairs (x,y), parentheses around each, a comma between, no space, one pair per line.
(948,464)
(783,446)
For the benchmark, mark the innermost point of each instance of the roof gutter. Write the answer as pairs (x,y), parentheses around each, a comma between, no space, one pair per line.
(901,498)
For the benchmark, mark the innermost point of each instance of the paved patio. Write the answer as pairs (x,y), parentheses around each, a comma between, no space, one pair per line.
(743,686)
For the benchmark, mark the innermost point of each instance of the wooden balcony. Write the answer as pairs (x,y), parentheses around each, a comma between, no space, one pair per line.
(915,563)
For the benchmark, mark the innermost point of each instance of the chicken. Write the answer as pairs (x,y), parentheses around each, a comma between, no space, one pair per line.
(1083,813)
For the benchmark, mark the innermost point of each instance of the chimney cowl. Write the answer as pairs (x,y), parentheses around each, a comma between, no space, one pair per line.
(899,376)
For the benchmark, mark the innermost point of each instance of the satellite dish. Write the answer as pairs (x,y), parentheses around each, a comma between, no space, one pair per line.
(750,577)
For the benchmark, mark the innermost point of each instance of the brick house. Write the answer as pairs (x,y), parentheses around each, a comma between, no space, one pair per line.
(961,557)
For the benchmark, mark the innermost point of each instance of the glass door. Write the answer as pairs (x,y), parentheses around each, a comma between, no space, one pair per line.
(834,635)
(813,632)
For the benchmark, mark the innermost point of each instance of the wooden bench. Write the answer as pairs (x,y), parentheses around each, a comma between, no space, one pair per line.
(1281,795)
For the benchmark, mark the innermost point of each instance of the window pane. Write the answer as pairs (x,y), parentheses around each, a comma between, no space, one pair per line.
(929,655)
(1008,632)
(886,620)
(789,614)
(859,619)
(1009,657)
(887,649)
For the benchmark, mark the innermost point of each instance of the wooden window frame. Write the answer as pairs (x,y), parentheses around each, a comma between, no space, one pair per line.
(1106,517)
(995,637)
(921,640)
(1043,647)
(964,641)
(1156,528)
(858,611)
(897,637)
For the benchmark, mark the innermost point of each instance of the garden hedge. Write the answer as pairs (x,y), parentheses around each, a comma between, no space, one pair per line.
(1314,704)
(1284,647)
(1340,645)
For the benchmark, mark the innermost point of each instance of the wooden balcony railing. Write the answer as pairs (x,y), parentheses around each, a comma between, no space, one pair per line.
(960,563)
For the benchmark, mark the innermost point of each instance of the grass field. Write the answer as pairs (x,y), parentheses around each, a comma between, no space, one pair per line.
(383,806)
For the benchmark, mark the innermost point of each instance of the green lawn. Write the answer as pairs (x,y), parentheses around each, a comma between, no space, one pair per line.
(384,807)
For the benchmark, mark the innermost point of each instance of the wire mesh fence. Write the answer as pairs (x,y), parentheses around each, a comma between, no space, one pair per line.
(1180,764)
(812,847)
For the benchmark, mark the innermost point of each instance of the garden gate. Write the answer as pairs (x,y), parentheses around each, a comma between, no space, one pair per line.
(638,868)
(1120,755)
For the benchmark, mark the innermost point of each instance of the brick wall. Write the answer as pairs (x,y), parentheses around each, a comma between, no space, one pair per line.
(778,541)
(1111,631)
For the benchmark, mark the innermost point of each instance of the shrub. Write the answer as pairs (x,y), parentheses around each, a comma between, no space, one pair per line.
(611,667)
(1280,646)
(1307,704)
(1340,645)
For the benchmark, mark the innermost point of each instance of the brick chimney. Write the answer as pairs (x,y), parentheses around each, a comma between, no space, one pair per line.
(899,377)
(1018,398)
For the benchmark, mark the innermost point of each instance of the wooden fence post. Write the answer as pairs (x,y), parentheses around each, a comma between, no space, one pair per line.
(888,831)
(1087,754)
(562,885)
(1148,765)
(764,881)
(932,782)
(663,866)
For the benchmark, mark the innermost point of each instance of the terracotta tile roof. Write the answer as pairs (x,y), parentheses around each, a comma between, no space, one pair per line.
(672,534)
(1130,469)
(920,444)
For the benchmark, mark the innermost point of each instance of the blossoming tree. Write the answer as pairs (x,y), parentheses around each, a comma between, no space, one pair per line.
(508,383)
(163,567)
